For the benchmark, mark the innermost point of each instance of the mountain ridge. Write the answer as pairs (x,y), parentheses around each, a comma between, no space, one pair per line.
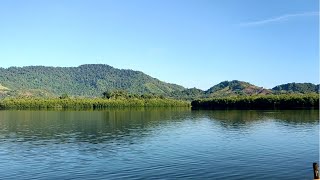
(91,80)
(85,80)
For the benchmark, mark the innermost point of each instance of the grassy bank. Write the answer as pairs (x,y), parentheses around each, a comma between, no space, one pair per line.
(284,101)
(87,103)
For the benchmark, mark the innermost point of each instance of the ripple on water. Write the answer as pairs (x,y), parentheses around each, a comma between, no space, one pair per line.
(153,145)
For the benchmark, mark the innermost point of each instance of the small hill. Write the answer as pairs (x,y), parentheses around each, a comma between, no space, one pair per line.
(296,88)
(235,87)
(89,80)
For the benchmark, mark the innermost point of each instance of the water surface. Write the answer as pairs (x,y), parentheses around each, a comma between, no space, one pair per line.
(158,144)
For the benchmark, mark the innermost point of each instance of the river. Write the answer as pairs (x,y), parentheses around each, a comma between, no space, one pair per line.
(158,143)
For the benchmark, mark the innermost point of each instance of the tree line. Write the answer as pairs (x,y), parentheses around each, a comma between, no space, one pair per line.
(120,98)
(282,101)
(110,99)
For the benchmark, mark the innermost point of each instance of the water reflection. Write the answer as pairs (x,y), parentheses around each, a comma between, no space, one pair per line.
(158,143)
(245,118)
(84,126)
(127,124)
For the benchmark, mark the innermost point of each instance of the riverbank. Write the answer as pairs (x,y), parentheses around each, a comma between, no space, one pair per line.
(282,101)
(88,103)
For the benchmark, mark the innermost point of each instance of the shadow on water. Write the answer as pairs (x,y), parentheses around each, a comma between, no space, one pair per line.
(128,125)
(243,118)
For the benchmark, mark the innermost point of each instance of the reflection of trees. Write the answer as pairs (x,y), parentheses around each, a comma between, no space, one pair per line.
(127,125)
(297,116)
(86,126)
(243,118)
(234,119)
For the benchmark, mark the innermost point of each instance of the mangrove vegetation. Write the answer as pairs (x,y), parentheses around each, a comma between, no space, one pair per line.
(109,99)
(281,101)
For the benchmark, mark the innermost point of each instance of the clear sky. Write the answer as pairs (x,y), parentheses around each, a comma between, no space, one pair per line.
(194,43)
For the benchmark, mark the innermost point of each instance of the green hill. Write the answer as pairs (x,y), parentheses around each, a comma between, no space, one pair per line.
(91,80)
(296,88)
(223,89)
(86,80)
(235,87)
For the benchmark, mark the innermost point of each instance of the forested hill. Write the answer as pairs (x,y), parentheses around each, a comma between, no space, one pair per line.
(223,89)
(86,80)
(92,80)
(235,87)
(241,88)
(297,88)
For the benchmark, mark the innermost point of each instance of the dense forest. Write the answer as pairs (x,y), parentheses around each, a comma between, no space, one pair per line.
(282,101)
(241,88)
(86,80)
(296,88)
(93,79)
(100,86)
(109,99)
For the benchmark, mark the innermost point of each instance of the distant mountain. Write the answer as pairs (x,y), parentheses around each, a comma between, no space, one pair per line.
(297,88)
(235,87)
(91,80)
(223,89)
(86,80)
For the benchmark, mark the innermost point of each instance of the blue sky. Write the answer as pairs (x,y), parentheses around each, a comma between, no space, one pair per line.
(194,43)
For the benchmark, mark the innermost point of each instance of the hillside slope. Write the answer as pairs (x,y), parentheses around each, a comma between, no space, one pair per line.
(296,88)
(86,80)
(235,87)
(188,94)
(91,80)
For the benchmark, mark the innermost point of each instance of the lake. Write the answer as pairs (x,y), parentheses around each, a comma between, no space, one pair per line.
(158,143)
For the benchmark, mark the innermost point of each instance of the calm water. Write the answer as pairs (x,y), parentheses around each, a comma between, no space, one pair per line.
(158,144)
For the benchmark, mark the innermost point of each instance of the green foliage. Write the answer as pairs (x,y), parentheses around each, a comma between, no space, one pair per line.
(232,85)
(232,88)
(283,101)
(88,103)
(296,88)
(85,80)
(121,94)
(93,79)
(115,94)
(188,94)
